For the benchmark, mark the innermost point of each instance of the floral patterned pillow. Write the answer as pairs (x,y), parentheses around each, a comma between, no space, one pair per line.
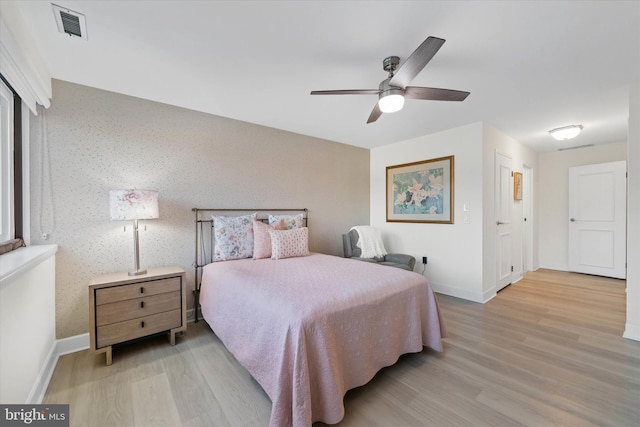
(289,243)
(292,221)
(233,237)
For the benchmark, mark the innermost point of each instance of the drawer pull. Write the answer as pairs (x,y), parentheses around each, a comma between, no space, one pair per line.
(142,324)
(141,304)
(142,289)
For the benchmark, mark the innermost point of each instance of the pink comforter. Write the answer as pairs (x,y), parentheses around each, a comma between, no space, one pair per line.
(308,329)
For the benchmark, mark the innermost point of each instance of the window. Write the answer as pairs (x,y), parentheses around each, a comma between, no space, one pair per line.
(7,182)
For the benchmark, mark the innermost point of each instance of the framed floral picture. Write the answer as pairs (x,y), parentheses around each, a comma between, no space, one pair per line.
(421,191)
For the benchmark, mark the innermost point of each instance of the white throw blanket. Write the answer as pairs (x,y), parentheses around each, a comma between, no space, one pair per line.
(370,242)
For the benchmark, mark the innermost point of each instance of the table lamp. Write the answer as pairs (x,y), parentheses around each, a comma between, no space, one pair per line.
(133,205)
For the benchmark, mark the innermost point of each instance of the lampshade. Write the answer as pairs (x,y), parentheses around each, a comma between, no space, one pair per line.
(391,101)
(566,132)
(133,204)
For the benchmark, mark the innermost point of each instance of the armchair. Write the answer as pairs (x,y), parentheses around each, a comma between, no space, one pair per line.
(351,250)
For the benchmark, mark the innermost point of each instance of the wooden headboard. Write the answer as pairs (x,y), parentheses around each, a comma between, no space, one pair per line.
(204,235)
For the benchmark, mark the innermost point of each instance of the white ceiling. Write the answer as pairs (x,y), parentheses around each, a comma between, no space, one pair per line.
(530,65)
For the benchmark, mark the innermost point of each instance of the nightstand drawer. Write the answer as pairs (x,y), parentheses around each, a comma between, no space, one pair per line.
(137,307)
(136,328)
(136,290)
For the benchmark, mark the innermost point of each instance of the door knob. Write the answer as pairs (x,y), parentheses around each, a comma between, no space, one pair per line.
(500,223)
(572,220)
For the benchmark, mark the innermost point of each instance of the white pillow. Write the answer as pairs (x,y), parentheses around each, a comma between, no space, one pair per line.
(233,237)
(289,243)
(292,221)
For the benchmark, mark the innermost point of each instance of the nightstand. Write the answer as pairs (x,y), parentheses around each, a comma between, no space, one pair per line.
(123,307)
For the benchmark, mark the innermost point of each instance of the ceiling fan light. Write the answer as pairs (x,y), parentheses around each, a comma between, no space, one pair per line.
(391,101)
(566,132)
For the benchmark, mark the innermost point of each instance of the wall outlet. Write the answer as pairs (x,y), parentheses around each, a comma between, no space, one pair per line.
(424,260)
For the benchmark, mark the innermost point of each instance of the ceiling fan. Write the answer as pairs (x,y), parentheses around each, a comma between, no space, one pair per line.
(393,90)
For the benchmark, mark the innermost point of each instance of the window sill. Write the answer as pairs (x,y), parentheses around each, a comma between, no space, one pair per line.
(14,263)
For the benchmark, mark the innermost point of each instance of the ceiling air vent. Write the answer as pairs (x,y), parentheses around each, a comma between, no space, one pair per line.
(70,22)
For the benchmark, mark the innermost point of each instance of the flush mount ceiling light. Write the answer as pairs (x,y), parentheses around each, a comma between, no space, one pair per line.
(566,132)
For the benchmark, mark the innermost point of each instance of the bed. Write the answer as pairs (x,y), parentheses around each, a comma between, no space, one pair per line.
(309,328)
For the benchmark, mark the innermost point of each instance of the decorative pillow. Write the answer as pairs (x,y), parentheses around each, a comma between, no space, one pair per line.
(233,237)
(292,221)
(289,243)
(262,238)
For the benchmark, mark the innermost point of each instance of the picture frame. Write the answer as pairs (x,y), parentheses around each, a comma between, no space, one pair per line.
(421,192)
(517,186)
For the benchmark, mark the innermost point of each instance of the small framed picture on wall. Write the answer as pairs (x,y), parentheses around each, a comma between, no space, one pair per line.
(517,186)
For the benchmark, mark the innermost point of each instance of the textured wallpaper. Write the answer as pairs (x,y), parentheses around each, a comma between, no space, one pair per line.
(98,140)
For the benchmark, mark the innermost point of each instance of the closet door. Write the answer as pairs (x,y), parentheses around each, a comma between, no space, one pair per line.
(504,201)
(597,219)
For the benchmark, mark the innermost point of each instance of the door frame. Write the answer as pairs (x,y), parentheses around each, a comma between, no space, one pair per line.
(528,220)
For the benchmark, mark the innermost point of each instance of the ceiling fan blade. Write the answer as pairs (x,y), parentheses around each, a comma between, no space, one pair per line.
(416,62)
(375,114)
(434,94)
(346,92)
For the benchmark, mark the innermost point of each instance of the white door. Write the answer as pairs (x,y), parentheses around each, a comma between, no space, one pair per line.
(504,201)
(597,219)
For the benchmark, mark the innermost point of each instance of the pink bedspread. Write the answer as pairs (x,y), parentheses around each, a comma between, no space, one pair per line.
(308,329)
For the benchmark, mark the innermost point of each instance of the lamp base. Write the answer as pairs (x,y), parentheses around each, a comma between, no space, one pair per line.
(137,272)
(136,252)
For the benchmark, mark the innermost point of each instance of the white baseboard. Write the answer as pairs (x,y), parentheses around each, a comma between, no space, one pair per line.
(72,344)
(190,318)
(60,348)
(489,295)
(461,293)
(632,332)
(554,266)
(42,380)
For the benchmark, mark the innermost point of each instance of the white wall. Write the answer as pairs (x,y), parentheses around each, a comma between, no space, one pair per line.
(461,256)
(99,140)
(448,246)
(632,327)
(554,197)
(27,321)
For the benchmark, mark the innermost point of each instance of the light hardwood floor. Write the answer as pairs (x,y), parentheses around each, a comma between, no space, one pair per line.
(546,351)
